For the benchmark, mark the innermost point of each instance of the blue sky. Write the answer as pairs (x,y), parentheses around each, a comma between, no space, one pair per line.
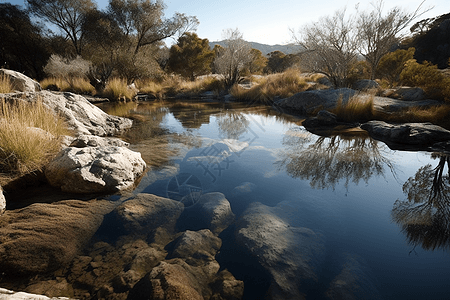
(268,21)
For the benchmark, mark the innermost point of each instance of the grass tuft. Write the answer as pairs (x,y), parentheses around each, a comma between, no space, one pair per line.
(117,89)
(358,108)
(29,136)
(5,84)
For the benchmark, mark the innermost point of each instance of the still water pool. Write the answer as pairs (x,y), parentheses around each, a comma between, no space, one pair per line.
(391,209)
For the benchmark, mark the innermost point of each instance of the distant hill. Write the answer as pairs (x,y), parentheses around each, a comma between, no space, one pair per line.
(266,49)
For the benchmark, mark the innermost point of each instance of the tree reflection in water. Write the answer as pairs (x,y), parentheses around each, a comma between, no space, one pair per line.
(232,124)
(425,217)
(329,160)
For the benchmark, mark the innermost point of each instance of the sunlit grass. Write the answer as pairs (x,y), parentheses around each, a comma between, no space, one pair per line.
(29,136)
(358,108)
(118,89)
(281,85)
(75,85)
(5,84)
(438,115)
(176,85)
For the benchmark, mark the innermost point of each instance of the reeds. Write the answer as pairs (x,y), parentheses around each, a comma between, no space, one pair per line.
(29,135)
(5,84)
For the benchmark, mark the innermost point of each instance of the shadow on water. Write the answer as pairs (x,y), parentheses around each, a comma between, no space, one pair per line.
(425,216)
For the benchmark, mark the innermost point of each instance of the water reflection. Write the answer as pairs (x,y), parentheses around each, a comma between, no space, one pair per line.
(329,160)
(232,124)
(425,217)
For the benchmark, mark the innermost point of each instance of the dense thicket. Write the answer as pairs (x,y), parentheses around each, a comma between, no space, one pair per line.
(23,47)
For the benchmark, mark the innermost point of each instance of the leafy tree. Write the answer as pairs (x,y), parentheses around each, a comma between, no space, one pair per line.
(22,47)
(275,62)
(378,32)
(393,63)
(231,60)
(67,15)
(191,56)
(257,64)
(330,46)
(279,62)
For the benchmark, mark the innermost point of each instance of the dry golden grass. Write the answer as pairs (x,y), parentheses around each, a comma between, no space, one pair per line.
(117,89)
(438,115)
(5,84)
(275,85)
(75,85)
(174,85)
(358,108)
(29,136)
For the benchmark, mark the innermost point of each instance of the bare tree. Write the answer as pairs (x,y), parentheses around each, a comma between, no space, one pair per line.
(378,32)
(330,46)
(67,15)
(231,60)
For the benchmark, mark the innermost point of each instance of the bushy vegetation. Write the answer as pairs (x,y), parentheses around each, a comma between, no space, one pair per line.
(29,136)
(427,76)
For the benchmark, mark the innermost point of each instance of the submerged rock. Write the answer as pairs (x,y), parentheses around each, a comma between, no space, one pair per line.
(42,238)
(95,169)
(243,189)
(191,273)
(355,281)
(145,213)
(292,255)
(212,211)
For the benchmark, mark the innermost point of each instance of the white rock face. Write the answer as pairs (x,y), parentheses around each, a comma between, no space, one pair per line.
(82,116)
(20,82)
(95,169)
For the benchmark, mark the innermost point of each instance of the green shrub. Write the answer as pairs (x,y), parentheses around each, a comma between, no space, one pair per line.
(426,76)
(392,64)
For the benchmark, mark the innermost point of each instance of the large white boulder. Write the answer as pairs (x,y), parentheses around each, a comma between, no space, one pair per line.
(95,169)
(20,82)
(81,116)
